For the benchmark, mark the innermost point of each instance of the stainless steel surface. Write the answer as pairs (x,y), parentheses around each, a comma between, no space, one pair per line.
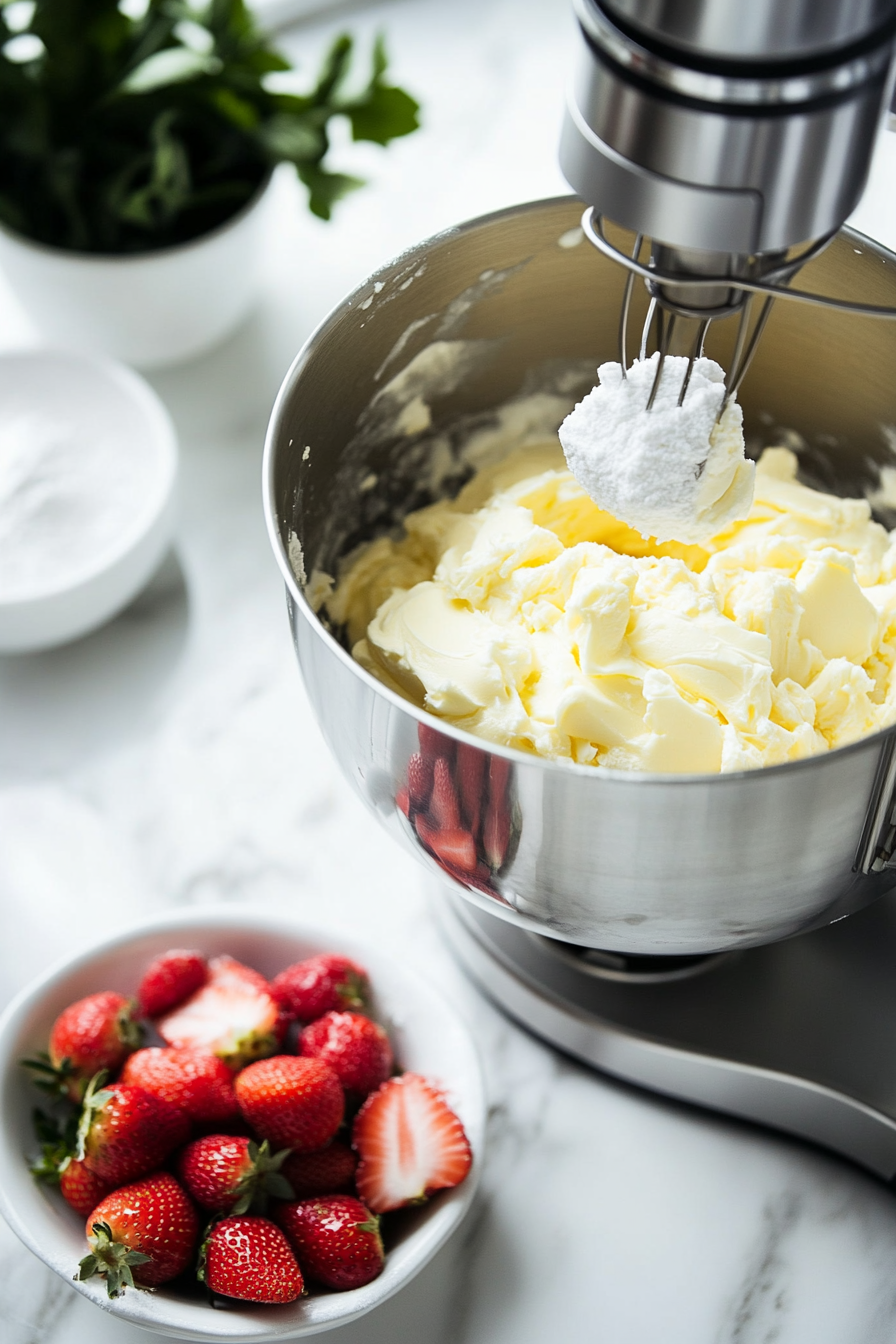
(800,1035)
(763,29)
(634,863)
(776,83)
(688,284)
(699,155)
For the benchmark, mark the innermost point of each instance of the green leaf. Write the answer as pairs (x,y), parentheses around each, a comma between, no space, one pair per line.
(83,164)
(295,139)
(325,188)
(174,65)
(168,188)
(239,111)
(335,68)
(87,1268)
(387,114)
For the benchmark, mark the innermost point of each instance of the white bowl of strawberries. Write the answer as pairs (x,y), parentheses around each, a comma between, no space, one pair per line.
(238,1112)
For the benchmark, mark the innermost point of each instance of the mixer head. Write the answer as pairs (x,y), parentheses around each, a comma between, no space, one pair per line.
(733,140)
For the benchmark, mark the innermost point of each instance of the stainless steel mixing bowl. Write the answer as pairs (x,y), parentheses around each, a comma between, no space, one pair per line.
(633,863)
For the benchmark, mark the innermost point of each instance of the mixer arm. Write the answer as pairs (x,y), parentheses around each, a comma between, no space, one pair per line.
(726,133)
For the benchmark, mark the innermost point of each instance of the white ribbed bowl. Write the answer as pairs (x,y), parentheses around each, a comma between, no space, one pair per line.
(428,1036)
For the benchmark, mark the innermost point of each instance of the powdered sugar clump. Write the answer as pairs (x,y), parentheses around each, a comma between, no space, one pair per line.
(674,472)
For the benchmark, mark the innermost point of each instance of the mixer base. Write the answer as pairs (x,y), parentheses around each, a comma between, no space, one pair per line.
(799,1035)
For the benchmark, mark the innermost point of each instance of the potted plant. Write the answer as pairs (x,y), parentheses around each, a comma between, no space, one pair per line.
(137,142)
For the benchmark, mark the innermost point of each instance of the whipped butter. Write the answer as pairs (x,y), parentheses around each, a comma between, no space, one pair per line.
(527,615)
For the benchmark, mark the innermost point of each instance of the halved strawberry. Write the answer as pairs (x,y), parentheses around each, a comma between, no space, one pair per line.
(434,743)
(444,809)
(170,979)
(419,781)
(456,847)
(470,775)
(234,1016)
(410,1143)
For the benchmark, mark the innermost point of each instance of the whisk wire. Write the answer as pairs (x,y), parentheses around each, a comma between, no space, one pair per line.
(645,330)
(665,328)
(626,305)
(739,370)
(696,353)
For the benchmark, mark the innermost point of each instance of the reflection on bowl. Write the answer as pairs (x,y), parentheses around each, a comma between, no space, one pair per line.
(459,804)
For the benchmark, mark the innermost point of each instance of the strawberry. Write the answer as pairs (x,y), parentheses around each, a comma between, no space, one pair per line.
(142,1234)
(169,980)
(419,781)
(444,809)
(329,1171)
(80,1187)
(249,1258)
(296,1103)
(226,1174)
(356,1048)
(470,776)
(410,1143)
(496,828)
(233,1015)
(320,985)
(456,848)
(126,1131)
(336,1239)
(198,1082)
(95,1033)
(434,743)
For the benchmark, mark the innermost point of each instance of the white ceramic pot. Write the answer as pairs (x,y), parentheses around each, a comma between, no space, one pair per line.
(150,308)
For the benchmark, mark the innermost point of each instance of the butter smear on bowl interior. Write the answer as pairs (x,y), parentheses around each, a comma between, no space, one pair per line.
(523,613)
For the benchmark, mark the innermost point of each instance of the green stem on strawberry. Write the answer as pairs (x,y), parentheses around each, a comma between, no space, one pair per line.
(58,1142)
(57,1080)
(112,1260)
(95,1098)
(264,1180)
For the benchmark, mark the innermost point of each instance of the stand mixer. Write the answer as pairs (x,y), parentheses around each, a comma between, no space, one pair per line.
(681,932)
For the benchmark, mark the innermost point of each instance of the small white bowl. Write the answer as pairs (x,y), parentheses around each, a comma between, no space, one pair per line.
(90,398)
(151,309)
(428,1038)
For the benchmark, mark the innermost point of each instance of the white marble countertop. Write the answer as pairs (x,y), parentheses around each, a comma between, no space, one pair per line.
(172,759)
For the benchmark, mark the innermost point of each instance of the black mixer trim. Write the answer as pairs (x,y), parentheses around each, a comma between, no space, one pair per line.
(748,111)
(754,69)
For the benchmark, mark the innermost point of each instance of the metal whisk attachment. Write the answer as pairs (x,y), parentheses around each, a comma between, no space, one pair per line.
(676,294)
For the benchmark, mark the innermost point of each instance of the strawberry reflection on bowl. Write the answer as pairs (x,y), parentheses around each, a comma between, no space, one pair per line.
(428,1040)
(459,803)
